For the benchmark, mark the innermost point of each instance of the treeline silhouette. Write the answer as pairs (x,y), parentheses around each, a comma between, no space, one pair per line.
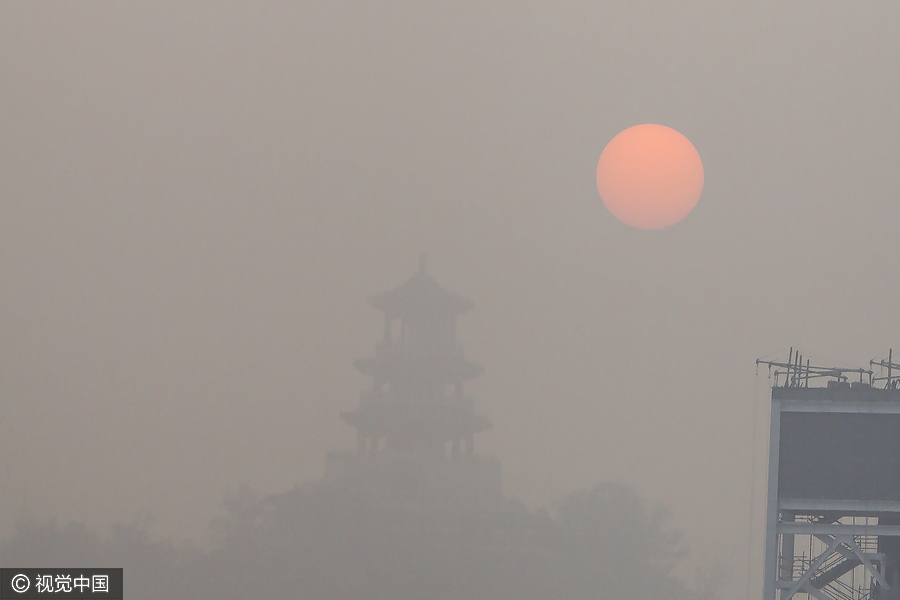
(322,542)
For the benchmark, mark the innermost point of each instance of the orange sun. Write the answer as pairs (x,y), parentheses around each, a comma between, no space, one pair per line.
(650,176)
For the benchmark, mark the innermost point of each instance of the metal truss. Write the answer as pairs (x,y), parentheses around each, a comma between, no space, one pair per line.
(824,576)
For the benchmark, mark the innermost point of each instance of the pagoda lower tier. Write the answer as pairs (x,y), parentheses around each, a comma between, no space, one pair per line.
(416,428)
(393,363)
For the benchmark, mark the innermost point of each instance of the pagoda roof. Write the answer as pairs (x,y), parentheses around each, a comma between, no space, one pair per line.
(421,294)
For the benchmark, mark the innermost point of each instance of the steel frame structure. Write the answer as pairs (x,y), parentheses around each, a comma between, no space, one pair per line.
(845,538)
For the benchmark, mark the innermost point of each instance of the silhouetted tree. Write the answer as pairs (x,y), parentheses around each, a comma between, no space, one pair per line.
(616,547)
(327,542)
(151,569)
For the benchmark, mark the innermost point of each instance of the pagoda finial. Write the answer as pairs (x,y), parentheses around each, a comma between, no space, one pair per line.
(423,258)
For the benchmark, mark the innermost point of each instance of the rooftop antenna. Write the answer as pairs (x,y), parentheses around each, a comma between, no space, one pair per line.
(891,382)
(796,374)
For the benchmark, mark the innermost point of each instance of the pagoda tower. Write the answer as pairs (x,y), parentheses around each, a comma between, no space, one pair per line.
(416,426)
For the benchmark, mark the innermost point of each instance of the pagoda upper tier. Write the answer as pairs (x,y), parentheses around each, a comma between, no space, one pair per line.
(419,356)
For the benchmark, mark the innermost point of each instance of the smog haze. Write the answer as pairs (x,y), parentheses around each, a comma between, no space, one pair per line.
(198,200)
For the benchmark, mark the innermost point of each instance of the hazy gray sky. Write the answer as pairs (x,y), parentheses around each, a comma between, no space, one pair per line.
(197,199)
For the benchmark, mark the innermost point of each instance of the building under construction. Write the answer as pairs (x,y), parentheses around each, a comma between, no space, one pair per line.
(833,506)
